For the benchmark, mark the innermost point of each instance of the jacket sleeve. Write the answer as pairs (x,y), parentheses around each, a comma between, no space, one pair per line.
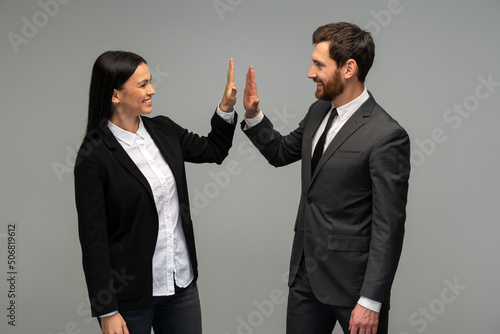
(211,148)
(389,170)
(92,229)
(279,150)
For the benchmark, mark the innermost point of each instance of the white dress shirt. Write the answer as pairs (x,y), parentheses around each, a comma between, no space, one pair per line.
(344,113)
(171,263)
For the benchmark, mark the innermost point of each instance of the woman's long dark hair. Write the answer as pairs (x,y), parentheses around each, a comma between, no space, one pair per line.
(111,70)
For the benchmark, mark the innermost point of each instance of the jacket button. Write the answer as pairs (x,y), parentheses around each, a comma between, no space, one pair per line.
(309,201)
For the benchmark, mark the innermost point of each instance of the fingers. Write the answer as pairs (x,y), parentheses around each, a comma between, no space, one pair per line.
(248,74)
(114,324)
(251,84)
(250,97)
(125,329)
(229,96)
(251,80)
(363,321)
(353,328)
(230,73)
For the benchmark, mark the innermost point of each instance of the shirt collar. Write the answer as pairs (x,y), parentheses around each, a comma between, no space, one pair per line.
(348,109)
(126,136)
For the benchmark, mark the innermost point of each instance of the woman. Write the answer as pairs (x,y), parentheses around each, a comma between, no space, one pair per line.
(134,221)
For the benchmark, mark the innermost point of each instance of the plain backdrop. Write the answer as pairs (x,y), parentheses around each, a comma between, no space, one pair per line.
(436,71)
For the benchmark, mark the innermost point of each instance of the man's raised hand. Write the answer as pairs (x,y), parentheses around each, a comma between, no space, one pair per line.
(250,97)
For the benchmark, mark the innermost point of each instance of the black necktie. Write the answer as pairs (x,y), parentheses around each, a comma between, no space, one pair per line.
(318,151)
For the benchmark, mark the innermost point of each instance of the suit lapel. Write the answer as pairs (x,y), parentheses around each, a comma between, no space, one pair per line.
(164,142)
(316,117)
(123,158)
(357,120)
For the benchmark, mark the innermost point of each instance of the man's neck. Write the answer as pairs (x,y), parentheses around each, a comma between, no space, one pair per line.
(350,93)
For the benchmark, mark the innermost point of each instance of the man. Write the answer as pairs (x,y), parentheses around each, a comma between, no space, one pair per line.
(355,169)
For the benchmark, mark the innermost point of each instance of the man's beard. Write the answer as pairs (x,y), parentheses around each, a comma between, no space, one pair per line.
(332,89)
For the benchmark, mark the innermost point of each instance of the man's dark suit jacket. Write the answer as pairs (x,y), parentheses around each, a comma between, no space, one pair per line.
(117,216)
(350,221)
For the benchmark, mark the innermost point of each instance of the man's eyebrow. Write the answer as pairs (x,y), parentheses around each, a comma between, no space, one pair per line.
(317,62)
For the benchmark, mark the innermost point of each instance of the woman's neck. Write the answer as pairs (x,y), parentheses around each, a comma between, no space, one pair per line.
(127,123)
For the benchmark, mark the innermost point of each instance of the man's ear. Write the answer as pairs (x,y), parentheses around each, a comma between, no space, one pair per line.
(351,68)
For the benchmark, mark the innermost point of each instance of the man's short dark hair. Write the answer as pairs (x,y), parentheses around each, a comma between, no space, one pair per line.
(348,41)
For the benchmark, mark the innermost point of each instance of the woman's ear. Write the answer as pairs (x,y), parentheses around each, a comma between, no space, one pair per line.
(115,98)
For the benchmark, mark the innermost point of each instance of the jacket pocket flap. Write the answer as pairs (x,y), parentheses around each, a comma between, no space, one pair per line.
(348,243)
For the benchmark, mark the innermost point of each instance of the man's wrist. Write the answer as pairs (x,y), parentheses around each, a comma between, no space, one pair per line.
(370,304)
(250,115)
(253,121)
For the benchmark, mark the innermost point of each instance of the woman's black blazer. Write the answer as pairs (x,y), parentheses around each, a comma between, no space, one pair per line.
(117,216)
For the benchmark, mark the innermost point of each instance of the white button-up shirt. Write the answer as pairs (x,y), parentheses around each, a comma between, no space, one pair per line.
(171,264)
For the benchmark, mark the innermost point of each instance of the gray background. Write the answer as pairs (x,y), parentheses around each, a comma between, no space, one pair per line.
(430,57)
